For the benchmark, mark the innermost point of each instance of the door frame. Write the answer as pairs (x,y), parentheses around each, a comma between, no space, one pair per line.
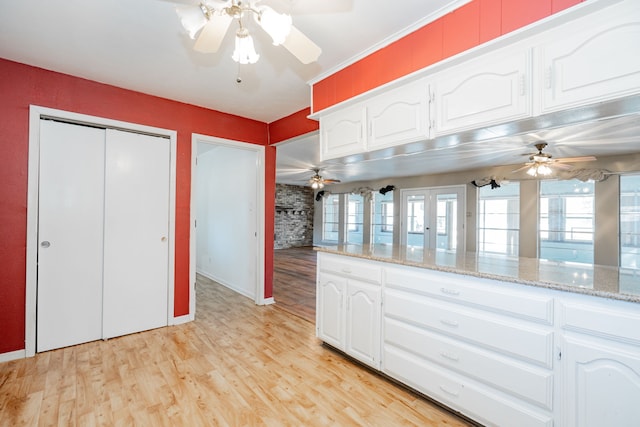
(428,191)
(260,213)
(36,113)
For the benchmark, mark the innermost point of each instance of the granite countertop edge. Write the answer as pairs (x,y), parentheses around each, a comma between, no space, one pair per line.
(511,279)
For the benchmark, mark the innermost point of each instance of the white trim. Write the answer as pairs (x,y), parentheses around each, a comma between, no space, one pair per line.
(268,301)
(260,210)
(391,39)
(12,355)
(35,113)
(183,319)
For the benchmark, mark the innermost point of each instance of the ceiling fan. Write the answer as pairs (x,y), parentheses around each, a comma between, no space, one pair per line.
(542,164)
(317,182)
(210,20)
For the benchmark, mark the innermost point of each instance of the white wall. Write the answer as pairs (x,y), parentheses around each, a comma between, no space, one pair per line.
(226,216)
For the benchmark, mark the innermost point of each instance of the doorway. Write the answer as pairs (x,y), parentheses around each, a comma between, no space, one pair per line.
(228,215)
(433,218)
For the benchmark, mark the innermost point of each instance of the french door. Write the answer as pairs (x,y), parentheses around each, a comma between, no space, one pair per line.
(433,218)
(103,218)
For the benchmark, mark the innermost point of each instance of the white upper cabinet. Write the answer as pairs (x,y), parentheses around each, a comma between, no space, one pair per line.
(343,132)
(494,88)
(592,59)
(399,116)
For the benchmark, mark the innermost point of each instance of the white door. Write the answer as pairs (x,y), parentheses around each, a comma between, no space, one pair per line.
(433,218)
(363,322)
(330,316)
(70,237)
(136,230)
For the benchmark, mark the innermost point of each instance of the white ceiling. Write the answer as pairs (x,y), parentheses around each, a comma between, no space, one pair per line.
(140,45)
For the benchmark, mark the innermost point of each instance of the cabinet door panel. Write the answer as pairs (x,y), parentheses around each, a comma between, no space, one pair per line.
(341,133)
(330,309)
(485,91)
(603,383)
(593,60)
(399,116)
(363,322)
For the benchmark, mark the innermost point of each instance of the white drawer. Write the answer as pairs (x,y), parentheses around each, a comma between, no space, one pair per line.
(610,319)
(350,267)
(528,342)
(508,298)
(479,402)
(532,384)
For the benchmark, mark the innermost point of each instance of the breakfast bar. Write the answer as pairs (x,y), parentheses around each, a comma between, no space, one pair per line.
(500,340)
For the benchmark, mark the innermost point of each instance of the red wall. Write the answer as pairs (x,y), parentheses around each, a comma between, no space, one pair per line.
(477,22)
(22,85)
(291,126)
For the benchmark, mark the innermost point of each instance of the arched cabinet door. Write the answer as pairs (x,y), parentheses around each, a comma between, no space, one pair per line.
(363,322)
(330,313)
(603,383)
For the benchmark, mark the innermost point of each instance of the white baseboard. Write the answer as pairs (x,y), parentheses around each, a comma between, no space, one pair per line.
(12,355)
(268,301)
(182,319)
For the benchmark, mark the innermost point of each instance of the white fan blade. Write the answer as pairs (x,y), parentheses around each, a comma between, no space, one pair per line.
(212,33)
(575,159)
(561,166)
(521,168)
(302,47)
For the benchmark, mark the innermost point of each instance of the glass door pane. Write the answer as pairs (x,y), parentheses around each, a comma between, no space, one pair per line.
(415,205)
(446,221)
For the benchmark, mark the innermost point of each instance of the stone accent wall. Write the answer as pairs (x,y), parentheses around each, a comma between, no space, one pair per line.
(294,216)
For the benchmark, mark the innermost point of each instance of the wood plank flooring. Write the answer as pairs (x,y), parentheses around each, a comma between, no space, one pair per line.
(294,281)
(237,364)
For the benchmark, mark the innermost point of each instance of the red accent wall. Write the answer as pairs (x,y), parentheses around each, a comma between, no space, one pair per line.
(22,85)
(477,22)
(291,126)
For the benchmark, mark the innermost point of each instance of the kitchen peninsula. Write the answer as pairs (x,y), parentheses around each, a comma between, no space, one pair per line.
(501,340)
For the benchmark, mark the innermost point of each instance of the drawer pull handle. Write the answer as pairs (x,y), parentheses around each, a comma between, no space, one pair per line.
(346,270)
(449,392)
(451,323)
(450,291)
(449,356)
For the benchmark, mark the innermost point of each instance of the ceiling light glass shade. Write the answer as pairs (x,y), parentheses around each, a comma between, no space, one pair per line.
(192,19)
(317,185)
(277,25)
(539,169)
(245,52)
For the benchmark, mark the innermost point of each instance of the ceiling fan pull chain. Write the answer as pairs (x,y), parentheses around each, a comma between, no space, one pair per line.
(238,76)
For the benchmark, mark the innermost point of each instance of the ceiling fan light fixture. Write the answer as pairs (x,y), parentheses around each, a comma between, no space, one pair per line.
(539,169)
(277,25)
(245,51)
(193,18)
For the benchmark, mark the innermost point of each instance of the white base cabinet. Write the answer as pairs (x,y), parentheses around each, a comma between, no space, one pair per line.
(500,353)
(348,307)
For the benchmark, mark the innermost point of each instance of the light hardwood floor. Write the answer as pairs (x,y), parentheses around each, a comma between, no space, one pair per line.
(294,281)
(237,364)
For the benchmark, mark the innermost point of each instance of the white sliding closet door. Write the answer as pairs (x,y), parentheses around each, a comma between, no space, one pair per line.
(70,235)
(136,233)
(103,231)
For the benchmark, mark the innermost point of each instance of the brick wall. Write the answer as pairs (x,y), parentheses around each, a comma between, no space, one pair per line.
(294,216)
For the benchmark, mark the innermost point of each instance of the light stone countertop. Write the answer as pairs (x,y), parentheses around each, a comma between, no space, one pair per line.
(603,281)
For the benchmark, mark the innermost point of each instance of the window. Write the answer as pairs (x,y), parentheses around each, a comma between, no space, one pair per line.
(355,205)
(330,218)
(566,220)
(630,221)
(382,218)
(499,219)
(415,214)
